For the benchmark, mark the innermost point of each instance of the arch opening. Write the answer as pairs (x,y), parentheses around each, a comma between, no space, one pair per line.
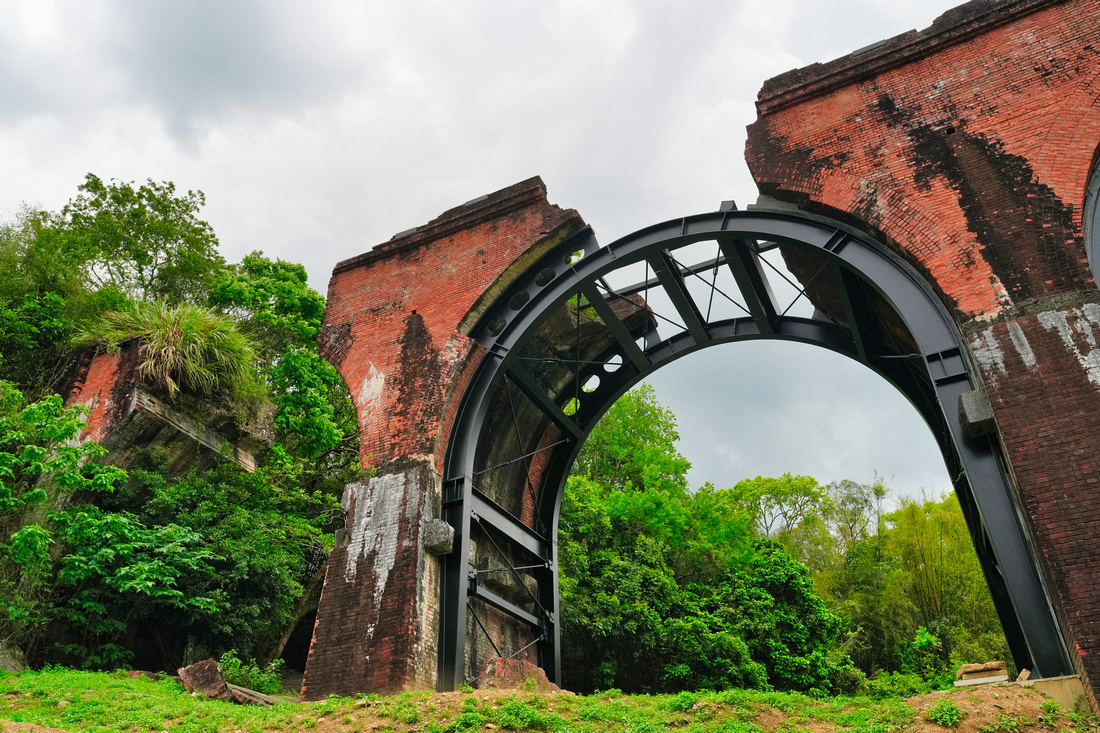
(610,316)
(768,407)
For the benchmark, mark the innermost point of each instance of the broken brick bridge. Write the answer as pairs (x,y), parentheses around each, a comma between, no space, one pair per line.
(933,196)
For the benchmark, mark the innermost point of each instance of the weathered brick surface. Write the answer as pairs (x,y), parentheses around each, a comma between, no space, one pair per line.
(395,328)
(972,157)
(107,387)
(1042,373)
(967,147)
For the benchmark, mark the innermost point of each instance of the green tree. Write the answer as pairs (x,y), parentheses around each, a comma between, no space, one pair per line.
(143,242)
(117,571)
(263,532)
(789,629)
(781,504)
(275,305)
(661,587)
(62,559)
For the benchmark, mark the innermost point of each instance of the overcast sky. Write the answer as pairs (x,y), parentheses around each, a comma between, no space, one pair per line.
(320,129)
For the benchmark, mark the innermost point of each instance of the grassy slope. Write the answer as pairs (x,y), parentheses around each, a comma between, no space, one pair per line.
(84,701)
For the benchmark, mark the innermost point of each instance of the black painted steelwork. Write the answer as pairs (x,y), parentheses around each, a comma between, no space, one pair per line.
(562,345)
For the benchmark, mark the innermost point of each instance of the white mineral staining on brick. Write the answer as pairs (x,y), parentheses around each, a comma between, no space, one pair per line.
(371,392)
(988,352)
(1023,348)
(1085,318)
(375,526)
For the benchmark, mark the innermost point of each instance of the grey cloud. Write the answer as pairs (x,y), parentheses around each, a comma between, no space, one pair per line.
(197,59)
(766,408)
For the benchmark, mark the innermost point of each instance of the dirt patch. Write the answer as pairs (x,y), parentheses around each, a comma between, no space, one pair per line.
(8,726)
(1003,707)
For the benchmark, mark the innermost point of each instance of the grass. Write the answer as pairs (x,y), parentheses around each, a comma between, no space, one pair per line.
(87,701)
(184,346)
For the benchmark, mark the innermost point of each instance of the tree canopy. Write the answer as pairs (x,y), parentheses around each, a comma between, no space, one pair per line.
(104,562)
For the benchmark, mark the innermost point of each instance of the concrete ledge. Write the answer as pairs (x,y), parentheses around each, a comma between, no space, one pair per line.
(1067,691)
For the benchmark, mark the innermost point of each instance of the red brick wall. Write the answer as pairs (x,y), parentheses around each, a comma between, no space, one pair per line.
(395,329)
(391,325)
(1042,374)
(967,147)
(972,158)
(106,386)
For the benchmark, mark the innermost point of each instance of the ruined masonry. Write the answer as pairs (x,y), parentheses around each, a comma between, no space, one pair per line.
(968,148)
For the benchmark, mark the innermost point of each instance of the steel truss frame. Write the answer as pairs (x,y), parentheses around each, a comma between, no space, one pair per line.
(864,273)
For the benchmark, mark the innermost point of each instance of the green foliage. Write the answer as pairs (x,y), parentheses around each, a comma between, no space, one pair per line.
(260,529)
(1006,723)
(275,305)
(788,628)
(40,464)
(112,702)
(661,588)
(272,300)
(126,261)
(305,386)
(267,679)
(896,684)
(120,570)
(144,243)
(34,334)
(782,504)
(946,713)
(517,715)
(184,346)
(633,446)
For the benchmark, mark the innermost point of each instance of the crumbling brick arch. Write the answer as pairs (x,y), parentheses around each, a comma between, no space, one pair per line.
(565,325)
(987,122)
(974,135)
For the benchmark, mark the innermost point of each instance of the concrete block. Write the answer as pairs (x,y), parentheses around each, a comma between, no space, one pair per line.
(976,414)
(438,536)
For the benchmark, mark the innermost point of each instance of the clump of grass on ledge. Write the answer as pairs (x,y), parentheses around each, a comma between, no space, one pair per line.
(184,346)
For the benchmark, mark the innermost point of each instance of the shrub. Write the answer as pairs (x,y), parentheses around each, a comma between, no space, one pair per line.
(945,713)
(896,684)
(267,680)
(1051,711)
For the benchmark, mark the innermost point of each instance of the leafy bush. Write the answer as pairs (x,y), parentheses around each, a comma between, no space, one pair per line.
(1051,711)
(268,680)
(896,684)
(41,463)
(945,713)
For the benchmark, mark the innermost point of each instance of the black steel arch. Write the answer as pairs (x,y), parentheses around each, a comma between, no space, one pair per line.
(532,402)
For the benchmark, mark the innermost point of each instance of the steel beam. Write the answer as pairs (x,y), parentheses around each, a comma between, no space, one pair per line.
(492,515)
(618,330)
(537,394)
(476,591)
(668,272)
(752,282)
(932,379)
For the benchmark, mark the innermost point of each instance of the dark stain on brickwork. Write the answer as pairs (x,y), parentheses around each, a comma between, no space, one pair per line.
(1027,234)
(126,379)
(417,385)
(808,161)
(335,341)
